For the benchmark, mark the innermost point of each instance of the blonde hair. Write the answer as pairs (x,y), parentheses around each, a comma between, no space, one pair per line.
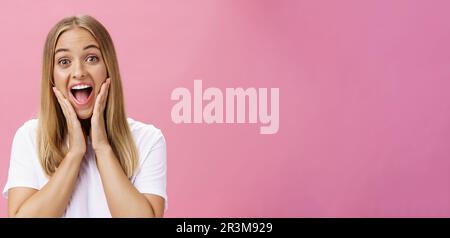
(52,130)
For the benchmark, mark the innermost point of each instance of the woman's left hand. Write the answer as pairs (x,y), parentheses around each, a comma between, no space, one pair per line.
(98,131)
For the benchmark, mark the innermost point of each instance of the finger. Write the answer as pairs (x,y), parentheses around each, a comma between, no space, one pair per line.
(101,99)
(105,95)
(60,99)
(66,107)
(105,89)
(65,102)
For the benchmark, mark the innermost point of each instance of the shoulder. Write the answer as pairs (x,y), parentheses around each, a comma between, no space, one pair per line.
(27,132)
(146,136)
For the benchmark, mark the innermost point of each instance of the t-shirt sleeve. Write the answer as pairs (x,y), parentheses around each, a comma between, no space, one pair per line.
(22,171)
(151,177)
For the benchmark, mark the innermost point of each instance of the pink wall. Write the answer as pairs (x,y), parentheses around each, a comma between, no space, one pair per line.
(364,99)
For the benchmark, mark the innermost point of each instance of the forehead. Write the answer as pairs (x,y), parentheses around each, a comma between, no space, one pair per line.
(75,38)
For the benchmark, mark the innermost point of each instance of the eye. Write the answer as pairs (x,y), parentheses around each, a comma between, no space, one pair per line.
(92,58)
(63,62)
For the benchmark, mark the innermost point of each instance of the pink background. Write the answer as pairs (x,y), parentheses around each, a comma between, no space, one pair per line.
(364,99)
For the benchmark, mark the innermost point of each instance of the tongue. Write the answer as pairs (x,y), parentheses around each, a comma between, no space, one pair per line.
(81,95)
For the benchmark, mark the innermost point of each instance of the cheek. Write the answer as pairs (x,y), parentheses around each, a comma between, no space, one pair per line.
(60,78)
(99,75)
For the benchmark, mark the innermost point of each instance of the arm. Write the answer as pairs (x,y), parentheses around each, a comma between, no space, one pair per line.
(52,199)
(124,200)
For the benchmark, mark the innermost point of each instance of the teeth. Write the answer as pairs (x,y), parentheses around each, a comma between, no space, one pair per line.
(81,86)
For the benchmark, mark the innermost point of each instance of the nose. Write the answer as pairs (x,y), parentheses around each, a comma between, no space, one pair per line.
(78,70)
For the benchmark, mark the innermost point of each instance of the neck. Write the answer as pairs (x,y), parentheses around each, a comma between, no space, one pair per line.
(86,125)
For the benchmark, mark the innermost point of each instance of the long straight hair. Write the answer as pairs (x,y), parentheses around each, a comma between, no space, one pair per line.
(52,130)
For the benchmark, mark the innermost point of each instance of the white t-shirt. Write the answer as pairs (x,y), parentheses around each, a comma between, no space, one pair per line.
(88,198)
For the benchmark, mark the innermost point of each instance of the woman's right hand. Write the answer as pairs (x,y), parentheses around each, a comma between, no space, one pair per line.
(77,141)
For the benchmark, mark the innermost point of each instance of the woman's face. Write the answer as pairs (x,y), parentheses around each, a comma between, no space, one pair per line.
(79,70)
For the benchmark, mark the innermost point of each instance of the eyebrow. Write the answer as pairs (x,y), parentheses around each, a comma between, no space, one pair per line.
(85,48)
(91,46)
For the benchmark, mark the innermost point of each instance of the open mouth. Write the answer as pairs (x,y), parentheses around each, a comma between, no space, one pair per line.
(81,93)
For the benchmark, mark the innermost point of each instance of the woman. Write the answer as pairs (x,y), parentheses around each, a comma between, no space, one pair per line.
(82,157)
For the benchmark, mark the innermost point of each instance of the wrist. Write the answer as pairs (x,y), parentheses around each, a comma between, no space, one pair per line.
(75,155)
(103,150)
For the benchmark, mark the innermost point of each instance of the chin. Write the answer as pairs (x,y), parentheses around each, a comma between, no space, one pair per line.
(85,114)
